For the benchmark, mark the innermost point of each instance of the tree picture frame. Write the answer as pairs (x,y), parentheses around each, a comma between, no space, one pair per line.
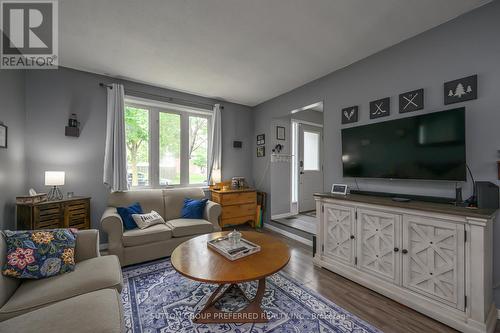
(461,90)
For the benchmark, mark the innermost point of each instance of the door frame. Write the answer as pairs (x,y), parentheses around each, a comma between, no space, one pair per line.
(294,166)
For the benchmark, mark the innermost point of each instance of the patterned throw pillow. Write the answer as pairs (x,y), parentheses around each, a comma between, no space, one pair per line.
(39,254)
(144,221)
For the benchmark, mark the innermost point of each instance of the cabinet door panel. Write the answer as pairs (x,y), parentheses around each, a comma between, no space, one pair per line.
(378,241)
(434,264)
(339,227)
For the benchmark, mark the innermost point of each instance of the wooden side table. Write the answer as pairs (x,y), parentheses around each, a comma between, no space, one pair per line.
(238,206)
(66,213)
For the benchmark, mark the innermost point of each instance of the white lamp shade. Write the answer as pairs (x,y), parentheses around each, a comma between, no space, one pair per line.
(216,175)
(54,178)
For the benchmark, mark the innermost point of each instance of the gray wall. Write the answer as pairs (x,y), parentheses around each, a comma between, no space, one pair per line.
(467,45)
(12,160)
(52,95)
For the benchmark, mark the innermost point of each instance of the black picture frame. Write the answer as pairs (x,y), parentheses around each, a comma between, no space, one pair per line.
(460,90)
(411,101)
(4,136)
(380,108)
(261,151)
(261,139)
(280,133)
(350,114)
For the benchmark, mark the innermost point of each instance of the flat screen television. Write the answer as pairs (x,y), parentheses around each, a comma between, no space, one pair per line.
(426,147)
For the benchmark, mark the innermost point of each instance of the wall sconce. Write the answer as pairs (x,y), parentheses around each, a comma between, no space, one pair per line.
(73,128)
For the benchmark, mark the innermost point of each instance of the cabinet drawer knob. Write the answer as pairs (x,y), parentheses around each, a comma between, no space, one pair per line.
(396,249)
(352,236)
(405,251)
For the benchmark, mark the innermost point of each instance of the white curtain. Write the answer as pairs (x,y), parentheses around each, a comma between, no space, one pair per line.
(115,156)
(215,148)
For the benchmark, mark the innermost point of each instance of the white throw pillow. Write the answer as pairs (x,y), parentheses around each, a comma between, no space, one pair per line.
(144,221)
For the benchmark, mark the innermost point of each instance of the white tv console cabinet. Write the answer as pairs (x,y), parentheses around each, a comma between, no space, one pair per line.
(434,258)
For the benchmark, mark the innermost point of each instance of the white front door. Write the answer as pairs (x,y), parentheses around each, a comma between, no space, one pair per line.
(310,165)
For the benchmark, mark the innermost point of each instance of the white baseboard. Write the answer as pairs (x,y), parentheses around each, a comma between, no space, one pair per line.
(289,235)
(282,216)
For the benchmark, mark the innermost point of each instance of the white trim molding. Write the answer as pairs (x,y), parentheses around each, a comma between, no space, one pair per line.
(282,216)
(289,235)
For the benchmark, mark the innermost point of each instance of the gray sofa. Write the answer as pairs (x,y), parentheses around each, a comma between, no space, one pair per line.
(85,300)
(158,241)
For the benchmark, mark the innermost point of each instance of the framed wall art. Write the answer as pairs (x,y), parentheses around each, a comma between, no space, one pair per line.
(261,151)
(350,115)
(380,108)
(3,136)
(464,89)
(280,133)
(411,101)
(261,139)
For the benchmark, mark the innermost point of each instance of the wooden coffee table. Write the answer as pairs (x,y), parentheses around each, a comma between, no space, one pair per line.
(196,261)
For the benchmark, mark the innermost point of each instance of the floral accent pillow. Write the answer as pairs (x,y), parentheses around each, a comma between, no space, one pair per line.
(39,254)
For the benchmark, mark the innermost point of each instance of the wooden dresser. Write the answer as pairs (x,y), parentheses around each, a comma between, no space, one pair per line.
(66,213)
(238,206)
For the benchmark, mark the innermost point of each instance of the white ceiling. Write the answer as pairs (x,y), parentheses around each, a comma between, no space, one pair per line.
(244,51)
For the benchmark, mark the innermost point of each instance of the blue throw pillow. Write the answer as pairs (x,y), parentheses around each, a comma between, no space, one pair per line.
(193,209)
(126,215)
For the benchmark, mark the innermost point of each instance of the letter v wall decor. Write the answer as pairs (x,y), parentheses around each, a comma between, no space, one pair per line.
(350,115)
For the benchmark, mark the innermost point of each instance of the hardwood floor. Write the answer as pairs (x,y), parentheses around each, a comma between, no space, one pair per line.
(380,311)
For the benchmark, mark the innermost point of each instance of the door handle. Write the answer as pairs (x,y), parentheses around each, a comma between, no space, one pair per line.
(352,237)
(302,172)
(405,251)
(396,249)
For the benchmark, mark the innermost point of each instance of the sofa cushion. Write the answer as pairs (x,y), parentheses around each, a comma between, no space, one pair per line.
(89,275)
(149,200)
(98,311)
(188,227)
(155,233)
(39,254)
(174,200)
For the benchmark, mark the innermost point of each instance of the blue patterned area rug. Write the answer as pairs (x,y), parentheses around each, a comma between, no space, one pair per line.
(158,299)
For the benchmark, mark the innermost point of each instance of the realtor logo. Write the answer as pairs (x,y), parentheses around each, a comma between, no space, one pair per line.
(29,34)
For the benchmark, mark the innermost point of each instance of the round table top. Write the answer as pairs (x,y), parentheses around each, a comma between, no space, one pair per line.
(196,261)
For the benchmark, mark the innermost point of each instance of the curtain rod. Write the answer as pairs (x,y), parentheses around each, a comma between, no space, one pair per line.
(173,100)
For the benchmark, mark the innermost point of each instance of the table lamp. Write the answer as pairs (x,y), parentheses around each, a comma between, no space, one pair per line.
(54,179)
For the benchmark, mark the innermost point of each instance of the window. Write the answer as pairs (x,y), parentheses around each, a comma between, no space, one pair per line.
(311,151)
(137,139)
(198,150)
(167,145)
